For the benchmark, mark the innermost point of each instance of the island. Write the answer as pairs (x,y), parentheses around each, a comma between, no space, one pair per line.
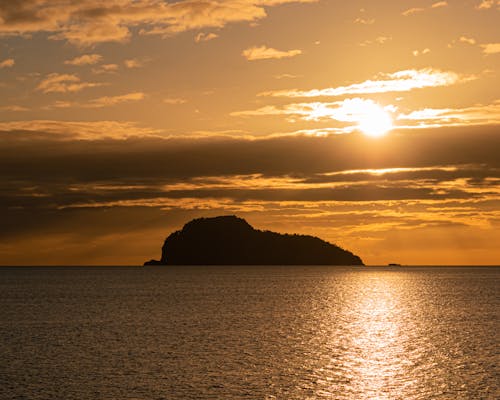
(230,240)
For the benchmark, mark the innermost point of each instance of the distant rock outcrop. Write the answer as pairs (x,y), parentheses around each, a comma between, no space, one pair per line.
(229,240)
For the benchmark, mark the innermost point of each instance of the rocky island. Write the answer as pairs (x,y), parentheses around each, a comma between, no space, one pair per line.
(229,240)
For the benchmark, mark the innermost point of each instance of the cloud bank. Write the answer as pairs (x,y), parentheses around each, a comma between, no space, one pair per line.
(74,187)
(89,22)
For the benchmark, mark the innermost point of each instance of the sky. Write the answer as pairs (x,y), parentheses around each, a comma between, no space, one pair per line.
(374,125)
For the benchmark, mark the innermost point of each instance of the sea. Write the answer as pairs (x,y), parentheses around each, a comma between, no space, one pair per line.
(249,332)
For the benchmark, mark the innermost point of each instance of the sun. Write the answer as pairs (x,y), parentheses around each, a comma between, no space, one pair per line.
(374,121)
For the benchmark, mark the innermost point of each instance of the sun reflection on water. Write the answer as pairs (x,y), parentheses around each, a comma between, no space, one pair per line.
(376,339)
(373,363)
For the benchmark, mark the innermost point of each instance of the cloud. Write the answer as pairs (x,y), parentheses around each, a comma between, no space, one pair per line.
(377,40)
(86,59)
(134,63)
(92,21)
(416,10)
(303,109)
(298,175)
(205,37)
(417,53)
(174,100)
(265,53)
(364,21)
(400,81)
(91,151)
(106,69)
(68,131)
(350,111)
(413,10)
(487,4)
(64,83)
(474,115)
(439,4)
(8,63)
(91,33)
(491,48)
(107,101)
(61,104)
(467,40)
(286,76)
(197,14)
(488,48)
(13,108)
(80,189)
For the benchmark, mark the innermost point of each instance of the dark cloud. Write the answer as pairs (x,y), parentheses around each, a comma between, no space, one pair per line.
(52,186)
(33,156)
(39,170)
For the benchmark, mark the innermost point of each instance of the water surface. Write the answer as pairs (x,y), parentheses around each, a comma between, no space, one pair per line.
(249,332)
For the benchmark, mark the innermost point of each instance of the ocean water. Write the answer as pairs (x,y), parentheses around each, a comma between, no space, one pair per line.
(249,333)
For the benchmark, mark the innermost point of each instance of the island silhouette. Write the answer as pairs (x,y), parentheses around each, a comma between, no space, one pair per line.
(230,240)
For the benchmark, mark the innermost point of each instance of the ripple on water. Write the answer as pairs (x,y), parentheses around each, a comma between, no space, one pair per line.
(249,332)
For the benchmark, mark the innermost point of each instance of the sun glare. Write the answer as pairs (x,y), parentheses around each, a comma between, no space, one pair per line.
(374,121)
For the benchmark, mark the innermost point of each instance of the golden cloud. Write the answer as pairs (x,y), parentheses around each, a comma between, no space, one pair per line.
(113,100)
(474,115)
(364,21)
(14,108)
(86,59)
(348,112)
(487,4)
(106,69)
(465,39)
(7,63)
(413,10)
(377,40)
(105,101)
(81,130)
(400,81)
(265,53)
(93,21)
(205,37)
(491,48)
(64,83)
(134,63)
(439,4)
(174,100)
(416,10)
(417,53)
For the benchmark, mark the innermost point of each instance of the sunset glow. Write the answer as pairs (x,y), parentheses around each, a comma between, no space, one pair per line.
(121,120)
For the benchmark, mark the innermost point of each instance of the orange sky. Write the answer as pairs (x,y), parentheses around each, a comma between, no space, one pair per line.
(374,125)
